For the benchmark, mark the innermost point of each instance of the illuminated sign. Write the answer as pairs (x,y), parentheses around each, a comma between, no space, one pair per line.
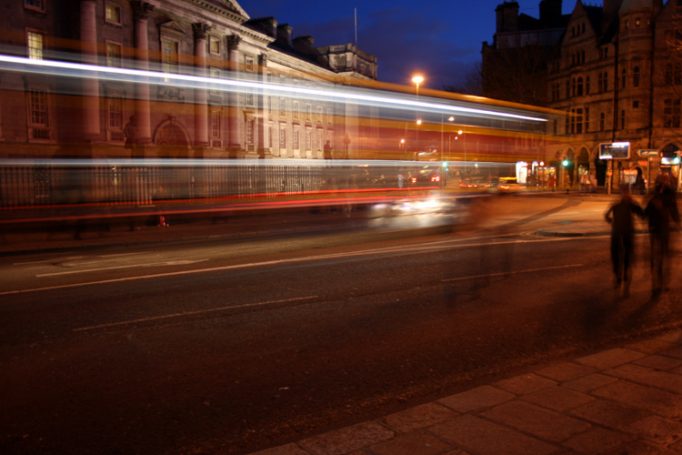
(614,151)
(670,160)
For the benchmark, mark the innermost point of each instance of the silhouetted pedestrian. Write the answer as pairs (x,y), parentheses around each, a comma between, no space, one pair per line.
(660,210)
(620,215)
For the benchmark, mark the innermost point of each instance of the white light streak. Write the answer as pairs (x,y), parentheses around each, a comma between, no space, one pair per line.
(381,98)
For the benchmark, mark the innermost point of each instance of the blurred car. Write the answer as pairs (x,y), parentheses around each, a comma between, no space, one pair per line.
(508,185)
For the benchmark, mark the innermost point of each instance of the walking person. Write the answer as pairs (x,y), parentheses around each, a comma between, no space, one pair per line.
(620,215)
(660,210)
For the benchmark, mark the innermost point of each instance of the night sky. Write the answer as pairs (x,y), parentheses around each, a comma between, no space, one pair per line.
(441,38)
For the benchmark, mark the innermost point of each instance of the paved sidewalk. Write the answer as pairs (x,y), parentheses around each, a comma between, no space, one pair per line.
(626,400)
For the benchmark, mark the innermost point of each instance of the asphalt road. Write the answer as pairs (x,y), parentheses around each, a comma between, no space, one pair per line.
(209,346)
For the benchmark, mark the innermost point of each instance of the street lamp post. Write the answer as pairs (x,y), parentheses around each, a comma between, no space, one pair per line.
(417,80)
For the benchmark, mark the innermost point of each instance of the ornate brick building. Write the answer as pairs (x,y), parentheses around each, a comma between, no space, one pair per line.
(616,75)
(49,116)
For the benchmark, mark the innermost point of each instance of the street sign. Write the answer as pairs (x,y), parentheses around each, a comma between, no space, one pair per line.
(647,153)
(614,151)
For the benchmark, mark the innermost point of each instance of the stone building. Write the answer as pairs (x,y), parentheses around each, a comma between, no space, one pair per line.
(514,65)
(48,116)
(616,75)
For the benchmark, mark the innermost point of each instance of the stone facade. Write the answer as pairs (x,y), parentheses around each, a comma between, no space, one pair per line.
(48,117)
(616,76)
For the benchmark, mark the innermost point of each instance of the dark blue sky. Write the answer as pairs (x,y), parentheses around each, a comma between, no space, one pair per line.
(439,37)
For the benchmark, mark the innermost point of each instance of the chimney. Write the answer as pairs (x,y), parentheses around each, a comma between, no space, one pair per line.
(507,17)
(550,12)
(284,33)
(304,44)
(266,25)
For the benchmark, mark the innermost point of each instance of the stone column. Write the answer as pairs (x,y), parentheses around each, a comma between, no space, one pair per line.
(260,132)
(233,110)
(200,95)
(143,129)
(88,36)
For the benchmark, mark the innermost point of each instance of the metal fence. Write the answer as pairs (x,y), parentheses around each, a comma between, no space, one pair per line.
(74,182)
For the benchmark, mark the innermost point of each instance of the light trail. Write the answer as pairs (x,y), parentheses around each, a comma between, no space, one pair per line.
(138,76)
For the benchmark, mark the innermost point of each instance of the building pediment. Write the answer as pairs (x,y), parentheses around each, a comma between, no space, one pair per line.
(226,7)
(171,27)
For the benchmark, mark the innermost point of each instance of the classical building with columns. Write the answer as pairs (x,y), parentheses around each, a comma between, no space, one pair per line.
(48,116)
(615,71)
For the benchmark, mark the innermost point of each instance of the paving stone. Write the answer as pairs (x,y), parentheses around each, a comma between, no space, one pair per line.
(525,383)
(673,352)
(610,414)
(565,371)
(589,382)
(657,344)
(347,439)
(660,430)
(677,447)
(287,449)
(418,417)
(659,362)
(611,358)
(647,376)
(640,448)
(651,399)
(456,452)
(476,399)
(597,440)
(536,420)
(558,398)
(412,443)
(483,437)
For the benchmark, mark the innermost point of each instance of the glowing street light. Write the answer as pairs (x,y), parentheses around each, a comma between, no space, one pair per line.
(417,80)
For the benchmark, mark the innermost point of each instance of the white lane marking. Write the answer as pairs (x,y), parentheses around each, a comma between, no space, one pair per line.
(193,313)
(43,261)
(117,255)
(513,272)
(386,250)
(116,267)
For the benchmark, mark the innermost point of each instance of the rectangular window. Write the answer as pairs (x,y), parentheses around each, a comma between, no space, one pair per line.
(249,65)
(294,110)
(114,54)
(170,53)
(308,140)
(216,130)
(115,114)
(214,45)
(39,117)
(579,121)
(251,134)
(283,137)
(35,5)
(671,113)
(112,14)
(622,119)
(296,140)
(35,44)
(282,107)
(587,119)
